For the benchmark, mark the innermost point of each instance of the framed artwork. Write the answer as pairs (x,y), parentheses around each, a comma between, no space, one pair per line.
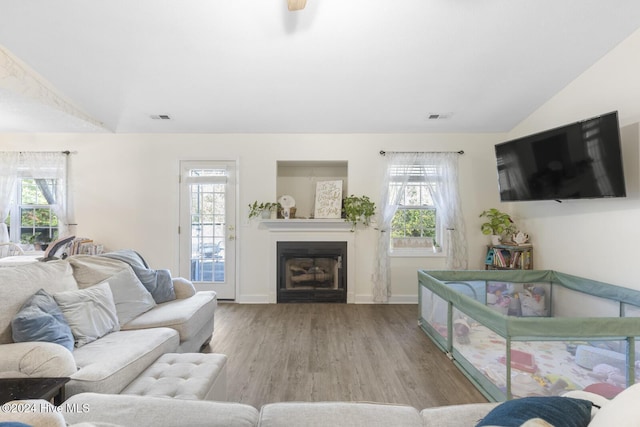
(328,199)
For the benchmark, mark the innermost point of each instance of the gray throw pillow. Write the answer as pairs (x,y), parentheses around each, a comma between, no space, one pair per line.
(40,319)
(90,312)
(129,295)
(157,282)
(162,287)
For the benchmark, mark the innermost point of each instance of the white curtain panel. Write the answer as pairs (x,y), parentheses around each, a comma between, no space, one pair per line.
(8,173)
(446,196)
(389,201)
(49,165)
(443,186)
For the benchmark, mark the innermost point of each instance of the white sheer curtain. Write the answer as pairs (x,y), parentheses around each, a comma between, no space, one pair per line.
(443,186)
(389,201)
(49,166)
(446,196)
(8,175)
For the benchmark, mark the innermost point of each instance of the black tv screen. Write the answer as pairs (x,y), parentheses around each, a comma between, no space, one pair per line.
(581,160)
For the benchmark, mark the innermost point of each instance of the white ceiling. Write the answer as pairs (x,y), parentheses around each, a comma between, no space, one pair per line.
(337,66)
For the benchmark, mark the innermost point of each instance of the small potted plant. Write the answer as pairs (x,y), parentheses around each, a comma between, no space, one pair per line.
(498,224)
(358,209)
(436,246)
(38,240)
(262,209)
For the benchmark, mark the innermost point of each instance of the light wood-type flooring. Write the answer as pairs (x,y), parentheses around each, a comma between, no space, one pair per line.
(334,352)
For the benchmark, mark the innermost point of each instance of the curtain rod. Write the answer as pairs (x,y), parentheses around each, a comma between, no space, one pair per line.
(67,152)
(382,152)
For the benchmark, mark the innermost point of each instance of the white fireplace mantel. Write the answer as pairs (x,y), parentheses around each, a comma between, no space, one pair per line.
(309,230)
(310,225)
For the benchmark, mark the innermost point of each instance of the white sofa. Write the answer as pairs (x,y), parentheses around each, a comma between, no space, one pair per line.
(90,409)
(110,363)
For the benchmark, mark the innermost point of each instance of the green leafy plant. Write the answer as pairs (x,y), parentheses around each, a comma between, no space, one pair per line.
(35,238)
(256,208)
(29,238)
(498,223)
(358,209)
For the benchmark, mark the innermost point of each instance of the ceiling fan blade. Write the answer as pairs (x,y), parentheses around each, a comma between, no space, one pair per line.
(296,4)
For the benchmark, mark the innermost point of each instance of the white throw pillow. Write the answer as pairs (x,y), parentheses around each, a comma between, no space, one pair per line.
(183,288)
(622,411)
(129,295)
(89,270)
(90,312)
(598,401)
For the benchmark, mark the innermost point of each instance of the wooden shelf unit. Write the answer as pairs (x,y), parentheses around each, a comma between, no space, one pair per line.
(509,257)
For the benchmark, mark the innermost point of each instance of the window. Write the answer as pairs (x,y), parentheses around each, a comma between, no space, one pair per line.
(31,218)
(419,202)
(207,190)
(33,196)
(415,225)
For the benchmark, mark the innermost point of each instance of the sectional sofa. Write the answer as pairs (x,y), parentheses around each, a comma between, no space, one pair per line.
(576,409)
(124,316)
(89,409)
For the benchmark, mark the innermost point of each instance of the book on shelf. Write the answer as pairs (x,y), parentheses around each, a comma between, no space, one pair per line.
(85,246)
(515,259)
(497,258)
(502,258)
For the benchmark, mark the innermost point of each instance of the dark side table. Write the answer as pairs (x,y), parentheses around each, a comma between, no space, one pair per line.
(33,388)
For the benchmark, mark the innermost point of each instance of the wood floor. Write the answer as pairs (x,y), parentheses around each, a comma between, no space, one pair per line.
(329,352)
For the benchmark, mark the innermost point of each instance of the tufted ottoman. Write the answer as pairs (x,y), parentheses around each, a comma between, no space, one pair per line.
(193,376)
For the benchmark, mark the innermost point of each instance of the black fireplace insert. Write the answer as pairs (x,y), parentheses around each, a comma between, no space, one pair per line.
(312,271)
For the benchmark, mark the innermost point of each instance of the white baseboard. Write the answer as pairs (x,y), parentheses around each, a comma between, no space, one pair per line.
(403,299)
(359,299)
(253,299)
(394,299)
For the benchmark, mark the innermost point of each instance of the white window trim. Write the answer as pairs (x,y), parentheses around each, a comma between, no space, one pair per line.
(420,252)
(416,253)
(15,225)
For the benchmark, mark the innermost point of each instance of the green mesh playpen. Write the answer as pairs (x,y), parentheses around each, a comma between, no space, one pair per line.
(528,332)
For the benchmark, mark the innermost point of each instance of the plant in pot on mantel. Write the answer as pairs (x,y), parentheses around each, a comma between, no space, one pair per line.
(262,209)
(358,209)
(498,224)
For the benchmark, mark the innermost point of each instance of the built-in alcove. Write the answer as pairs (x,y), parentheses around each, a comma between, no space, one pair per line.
(298,179)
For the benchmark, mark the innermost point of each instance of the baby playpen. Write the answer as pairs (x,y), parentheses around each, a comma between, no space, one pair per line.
(527,332)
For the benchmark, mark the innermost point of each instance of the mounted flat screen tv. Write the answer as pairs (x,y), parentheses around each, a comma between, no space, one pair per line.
(581,160)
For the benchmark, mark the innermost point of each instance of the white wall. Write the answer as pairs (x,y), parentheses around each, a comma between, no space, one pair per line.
(125,191)
(595,239)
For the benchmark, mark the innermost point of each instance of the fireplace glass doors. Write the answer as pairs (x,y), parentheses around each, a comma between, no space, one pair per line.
(312,271)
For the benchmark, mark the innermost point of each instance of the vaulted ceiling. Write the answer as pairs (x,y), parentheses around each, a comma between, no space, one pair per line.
(254,67)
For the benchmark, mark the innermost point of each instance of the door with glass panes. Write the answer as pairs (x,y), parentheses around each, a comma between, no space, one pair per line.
(207,225)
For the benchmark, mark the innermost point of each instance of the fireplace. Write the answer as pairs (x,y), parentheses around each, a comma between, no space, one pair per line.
(312,271)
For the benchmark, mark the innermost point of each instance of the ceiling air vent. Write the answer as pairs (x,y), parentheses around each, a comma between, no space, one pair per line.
(439,116)
(160,117)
